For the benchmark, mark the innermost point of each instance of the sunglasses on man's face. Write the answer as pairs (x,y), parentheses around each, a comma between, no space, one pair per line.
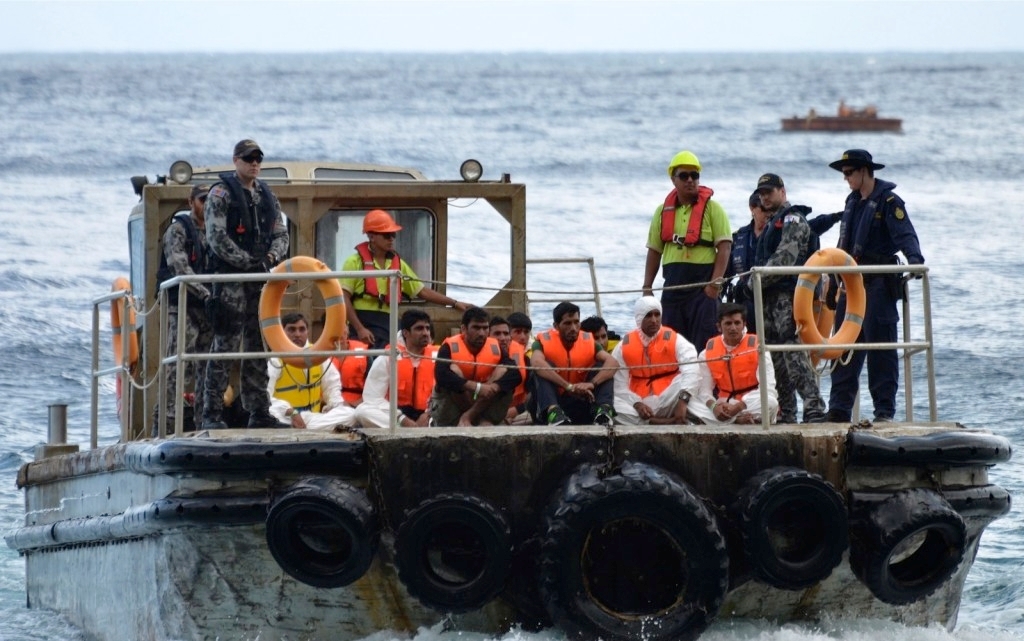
(683,175)
(389,235)
(849,172)
(251,158)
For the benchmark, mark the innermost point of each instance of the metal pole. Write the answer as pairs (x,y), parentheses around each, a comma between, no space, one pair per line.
(762,366)
(908,374)
(94,390)
(926,300)
(394,286)
(57,428)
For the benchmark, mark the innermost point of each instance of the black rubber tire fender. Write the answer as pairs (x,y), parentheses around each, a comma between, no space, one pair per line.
(907,546)
(454,552)
(636,554)
(323,531)
(793,525)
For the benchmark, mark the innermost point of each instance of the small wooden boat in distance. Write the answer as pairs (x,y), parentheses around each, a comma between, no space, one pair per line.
(846,119)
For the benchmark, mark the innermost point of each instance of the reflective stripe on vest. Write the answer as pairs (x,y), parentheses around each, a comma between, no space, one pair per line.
(651,368)
(300,387)
(735,372)
(668,219)
(582,356)
(370,287)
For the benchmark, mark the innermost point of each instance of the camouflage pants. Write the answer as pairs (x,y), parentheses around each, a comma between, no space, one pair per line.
(793,371)
(198,337)
(237,329)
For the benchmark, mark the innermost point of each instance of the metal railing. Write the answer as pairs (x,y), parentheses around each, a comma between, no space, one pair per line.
(909,347)
(589,260)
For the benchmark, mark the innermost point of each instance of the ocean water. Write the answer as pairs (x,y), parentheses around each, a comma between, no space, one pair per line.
(590,135)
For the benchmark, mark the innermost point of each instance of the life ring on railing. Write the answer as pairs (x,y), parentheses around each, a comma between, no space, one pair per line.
(120,325)
(794,527)
(323,532)
(803,299)
(636,554)
(907,546)
(454,552)
(270,312)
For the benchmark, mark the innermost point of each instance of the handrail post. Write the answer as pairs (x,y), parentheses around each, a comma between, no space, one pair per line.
(179,364)
(762,366)
(908,374)
(926,301)
(125,374)
(395,291)
(94,387)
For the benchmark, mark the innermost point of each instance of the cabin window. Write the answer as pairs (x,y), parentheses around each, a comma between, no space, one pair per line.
(340,230)
(331,173)
(137,252)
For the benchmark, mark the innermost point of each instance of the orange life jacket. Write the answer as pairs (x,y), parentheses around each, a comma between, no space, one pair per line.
(668,218)
(415,384)
(651,368)
(518,353)
(735,373)
(582,355)
(475,367)
(370,288)
(353,370)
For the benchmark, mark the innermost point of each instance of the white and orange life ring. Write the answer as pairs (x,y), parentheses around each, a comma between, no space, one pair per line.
(803,304)
(119,325)
(270,313)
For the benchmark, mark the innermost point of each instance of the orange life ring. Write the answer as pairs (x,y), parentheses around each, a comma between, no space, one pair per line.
(803,304)
(119,325)
(270,313)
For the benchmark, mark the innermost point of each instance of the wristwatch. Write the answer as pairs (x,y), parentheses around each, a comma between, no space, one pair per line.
(684,396)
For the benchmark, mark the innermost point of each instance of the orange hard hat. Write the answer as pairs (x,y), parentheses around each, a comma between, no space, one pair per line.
(378,221)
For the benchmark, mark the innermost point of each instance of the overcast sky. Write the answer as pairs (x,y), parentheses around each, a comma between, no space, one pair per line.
(510,26)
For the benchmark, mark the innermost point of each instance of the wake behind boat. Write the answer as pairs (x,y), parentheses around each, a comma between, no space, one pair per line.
(619,532)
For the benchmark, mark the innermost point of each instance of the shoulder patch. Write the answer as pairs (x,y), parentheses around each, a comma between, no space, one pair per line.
(790,218)
(219,191)
(889,199)
(899,213)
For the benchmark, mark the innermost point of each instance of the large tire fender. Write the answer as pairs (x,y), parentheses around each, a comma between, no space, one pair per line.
(323,532)
(454,552)
(794,527)
(907,546)
(636,554)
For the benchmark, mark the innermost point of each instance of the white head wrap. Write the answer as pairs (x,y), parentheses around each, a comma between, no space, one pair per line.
(644,306)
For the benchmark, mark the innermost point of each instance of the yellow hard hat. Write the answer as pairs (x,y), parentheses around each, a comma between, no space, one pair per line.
(683,158)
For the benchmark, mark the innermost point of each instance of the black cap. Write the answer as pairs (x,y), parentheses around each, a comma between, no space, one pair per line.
(755,199)
(769,181)
(246,147)
(199,191)
(855,158)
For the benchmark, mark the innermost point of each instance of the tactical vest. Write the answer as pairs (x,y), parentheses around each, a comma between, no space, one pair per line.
(196,259)
(251,229)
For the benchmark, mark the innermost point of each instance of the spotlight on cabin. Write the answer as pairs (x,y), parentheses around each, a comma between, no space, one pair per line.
(180,172)
(471,170)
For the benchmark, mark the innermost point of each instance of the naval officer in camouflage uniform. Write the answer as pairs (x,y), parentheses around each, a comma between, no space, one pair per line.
(184,253)
(787,240)
(247,234)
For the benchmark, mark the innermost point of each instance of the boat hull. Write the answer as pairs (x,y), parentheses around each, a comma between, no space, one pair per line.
(168,540)
(836,123)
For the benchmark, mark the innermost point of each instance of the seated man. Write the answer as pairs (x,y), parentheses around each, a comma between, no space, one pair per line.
(353,369)
(517,414)
(572,374)
(598,327)
(657,373)
(729,386)
(415,378)
(306,398)
(520,325)
(475,376)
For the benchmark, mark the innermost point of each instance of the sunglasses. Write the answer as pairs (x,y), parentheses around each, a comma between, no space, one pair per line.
(390,235)
(683,175)
(849,172)
(257,158)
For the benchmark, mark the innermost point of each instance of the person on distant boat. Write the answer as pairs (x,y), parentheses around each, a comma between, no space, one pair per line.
(247,234)
(875,226)
(787,241)
(307,398)
(844,111)
(517,414)
(416,379)
(573,375)
(690,236)
(475,376)
(599,328)
(184,253)
(730,389)
(367,300)
(657,371)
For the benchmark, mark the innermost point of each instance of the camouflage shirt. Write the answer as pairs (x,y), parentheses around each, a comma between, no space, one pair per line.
(224,246)
(177,251)
(795,244)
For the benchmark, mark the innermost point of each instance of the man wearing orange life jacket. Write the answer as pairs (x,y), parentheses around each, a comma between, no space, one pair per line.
(415,378)
(517,414)
(475,377)
(690,236)
(729,389)
(306,398)
(572,375)
(658,373)
(367,300)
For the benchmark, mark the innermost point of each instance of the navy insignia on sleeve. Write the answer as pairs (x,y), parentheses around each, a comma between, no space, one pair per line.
(900,214)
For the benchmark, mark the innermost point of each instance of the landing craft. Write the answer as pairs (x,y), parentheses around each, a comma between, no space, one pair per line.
(617,532)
